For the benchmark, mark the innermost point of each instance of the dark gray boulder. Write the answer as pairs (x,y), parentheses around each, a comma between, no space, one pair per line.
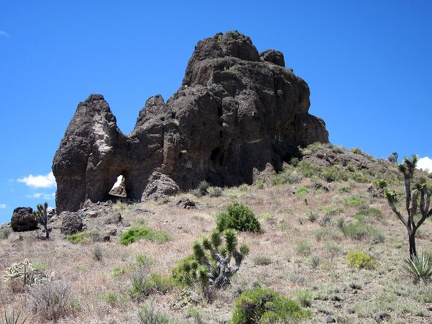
(22,220)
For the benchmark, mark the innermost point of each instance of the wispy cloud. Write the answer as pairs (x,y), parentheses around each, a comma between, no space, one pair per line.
(3,206)
(4,34)
(43,195)
(425,164)
(39,181)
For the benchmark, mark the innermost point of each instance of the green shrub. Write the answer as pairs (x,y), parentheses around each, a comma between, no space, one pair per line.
(262,260)
(234,72)
(344,189)
(144,285)
(143,260)
(315,261)
(148,314)
(354,201)
(238,217)
(260,184)
(84,238)
(294,161)
(380,184)
(303,248)
(360,231)
(135,234)
(360,259)
(312,217)
(309,169)
(287,176)
(215,191)
(367,214)
(119,271)
(110,298)
(332,249)
(356,150)
(333,173)
(419,267)
(5,232)
(97,253)
(302,192)
(182,272)
(266,306)
(201,189)
(75,238)
(328,234)
(305,298)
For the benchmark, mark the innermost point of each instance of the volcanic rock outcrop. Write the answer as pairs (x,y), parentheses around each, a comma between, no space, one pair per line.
(238,114)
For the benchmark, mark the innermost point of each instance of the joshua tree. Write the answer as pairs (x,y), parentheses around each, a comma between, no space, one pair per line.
(214,263)
(417,200)
(41,216)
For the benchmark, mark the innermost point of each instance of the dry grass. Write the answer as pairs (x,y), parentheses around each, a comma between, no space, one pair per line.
(293,255)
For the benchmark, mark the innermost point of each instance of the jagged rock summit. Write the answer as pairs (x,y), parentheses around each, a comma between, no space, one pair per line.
(238,113)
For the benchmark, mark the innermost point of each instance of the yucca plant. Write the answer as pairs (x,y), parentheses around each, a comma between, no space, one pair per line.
(419,267)
(12,318)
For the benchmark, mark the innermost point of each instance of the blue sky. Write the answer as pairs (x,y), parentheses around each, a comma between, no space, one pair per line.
(368,65)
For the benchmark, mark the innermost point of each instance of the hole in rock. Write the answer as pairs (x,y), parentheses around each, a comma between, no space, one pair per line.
(119,187)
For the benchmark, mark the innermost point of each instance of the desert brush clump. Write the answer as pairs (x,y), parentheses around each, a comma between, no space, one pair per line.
(261,305)
(417,201)
(201,189)
(135,234)
(213,262)
(84,238)
(50,300)
(144,284)
(148,314)
(359,259)
(238,217)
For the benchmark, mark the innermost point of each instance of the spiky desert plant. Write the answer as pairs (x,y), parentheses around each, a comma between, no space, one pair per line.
(22,269)
(41,215)
(214,261)
(12,318)
(419,267)
(417,199)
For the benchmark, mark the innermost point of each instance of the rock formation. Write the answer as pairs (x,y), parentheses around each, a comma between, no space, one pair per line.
(23,220)
(237,114)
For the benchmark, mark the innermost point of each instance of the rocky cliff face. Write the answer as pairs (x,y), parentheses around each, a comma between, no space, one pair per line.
(237,114)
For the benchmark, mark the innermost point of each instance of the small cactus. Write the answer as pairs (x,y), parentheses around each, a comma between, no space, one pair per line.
(22,269)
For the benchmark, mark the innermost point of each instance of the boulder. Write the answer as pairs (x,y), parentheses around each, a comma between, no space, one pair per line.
(237,114)
(23,220)
(71,223)
(160,186)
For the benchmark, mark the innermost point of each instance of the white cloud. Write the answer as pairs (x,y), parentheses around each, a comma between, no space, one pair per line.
(39,181)
(44,195)
(425,164)
(4,34)
(3,206)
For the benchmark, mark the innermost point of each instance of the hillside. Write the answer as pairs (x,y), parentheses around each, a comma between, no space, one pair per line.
(313,214)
